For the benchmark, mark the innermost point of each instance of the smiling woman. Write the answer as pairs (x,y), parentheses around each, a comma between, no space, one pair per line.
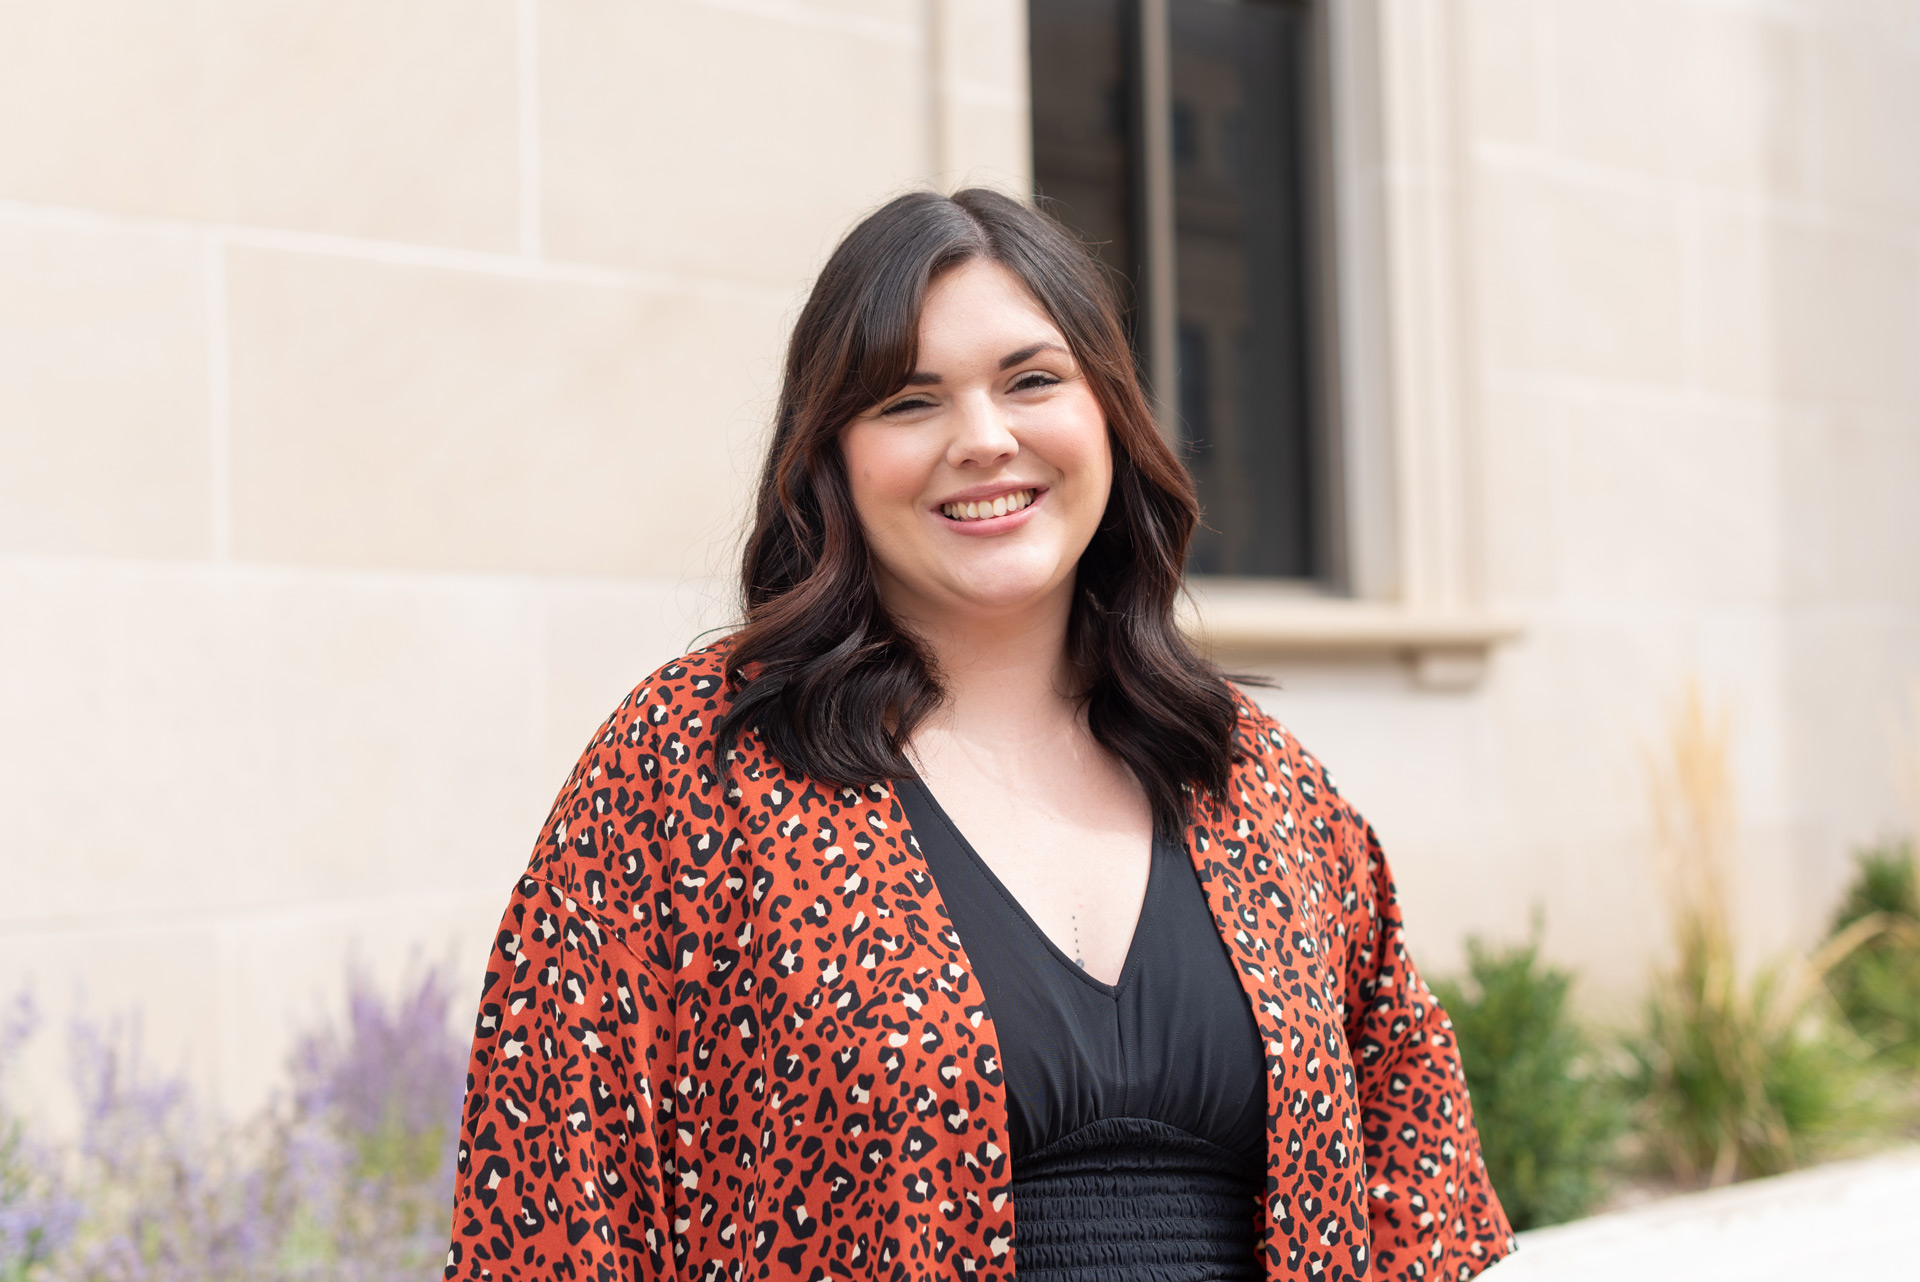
(953,918)
(954,350)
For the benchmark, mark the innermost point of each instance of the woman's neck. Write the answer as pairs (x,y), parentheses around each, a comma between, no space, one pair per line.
(1007,678)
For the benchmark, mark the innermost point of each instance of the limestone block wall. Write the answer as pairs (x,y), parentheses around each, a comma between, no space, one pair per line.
(379,387)
(1690,280)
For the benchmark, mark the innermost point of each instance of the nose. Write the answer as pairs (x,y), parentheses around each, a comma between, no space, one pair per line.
(980,434)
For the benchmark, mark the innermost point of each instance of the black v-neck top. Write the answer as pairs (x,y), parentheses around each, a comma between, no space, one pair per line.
(1136,1111)
(1173,1042)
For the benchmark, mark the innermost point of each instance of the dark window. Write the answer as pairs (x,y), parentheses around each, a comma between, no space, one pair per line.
(1234,82)
(1083,122)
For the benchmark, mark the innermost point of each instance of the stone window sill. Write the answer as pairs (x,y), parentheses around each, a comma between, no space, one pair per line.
(1446,648)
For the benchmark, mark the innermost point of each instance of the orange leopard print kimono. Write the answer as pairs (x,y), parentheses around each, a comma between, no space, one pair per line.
(728,1034)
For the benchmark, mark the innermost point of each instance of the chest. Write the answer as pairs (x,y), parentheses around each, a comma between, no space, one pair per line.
(861,980)
(1170,1039)
(1069,835)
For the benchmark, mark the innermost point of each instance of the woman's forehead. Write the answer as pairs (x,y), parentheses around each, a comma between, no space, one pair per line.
(980,309)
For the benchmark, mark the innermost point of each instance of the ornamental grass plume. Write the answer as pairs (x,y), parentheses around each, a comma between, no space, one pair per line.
(1737,1075)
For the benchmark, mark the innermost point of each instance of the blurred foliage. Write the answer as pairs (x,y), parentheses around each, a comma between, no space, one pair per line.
(167,1192)
(1738,1074)
(36,1217)
(1738,1079)
(1878,983)
(384,1090)
(1548,1114)
(33,1225)
(348,1176)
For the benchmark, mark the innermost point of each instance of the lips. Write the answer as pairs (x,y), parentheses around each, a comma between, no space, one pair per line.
(987,509)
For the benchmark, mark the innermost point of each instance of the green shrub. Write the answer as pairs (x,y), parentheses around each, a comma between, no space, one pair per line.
(1878,984)
(1548,1118)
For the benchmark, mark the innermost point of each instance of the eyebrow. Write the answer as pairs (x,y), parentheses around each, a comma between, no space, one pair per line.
(1028,353)
(921,378)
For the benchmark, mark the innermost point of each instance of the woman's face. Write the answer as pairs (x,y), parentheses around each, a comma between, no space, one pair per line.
(981,482)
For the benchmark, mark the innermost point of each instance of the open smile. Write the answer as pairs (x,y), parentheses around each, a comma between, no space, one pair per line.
(987,509)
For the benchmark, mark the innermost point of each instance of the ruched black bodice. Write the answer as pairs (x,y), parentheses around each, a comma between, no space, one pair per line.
(1136,1110)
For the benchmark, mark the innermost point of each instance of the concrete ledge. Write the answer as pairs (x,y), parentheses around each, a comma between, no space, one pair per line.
(1847,1219)
(1447,648)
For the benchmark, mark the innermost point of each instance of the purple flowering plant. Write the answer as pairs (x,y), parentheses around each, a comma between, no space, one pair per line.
(168,1193)
(369,1138)
(37,1218)
(347,1174)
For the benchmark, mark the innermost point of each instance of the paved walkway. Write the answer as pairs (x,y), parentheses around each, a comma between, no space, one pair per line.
(1848,1219)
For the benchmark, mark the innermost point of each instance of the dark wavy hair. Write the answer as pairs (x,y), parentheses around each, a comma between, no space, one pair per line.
(832,686)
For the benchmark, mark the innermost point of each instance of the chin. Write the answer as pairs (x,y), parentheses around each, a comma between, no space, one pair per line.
(1009,589)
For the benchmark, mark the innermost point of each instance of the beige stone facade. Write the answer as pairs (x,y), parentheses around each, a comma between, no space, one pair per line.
(380,386)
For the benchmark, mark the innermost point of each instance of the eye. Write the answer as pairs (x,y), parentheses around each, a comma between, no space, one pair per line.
(1033,379)
(907,406)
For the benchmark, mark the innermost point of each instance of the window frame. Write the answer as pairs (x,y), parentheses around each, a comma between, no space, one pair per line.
(1157,291)
(1394,410)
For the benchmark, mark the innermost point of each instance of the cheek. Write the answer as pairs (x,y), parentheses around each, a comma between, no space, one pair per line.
(884,472)
(1083,449)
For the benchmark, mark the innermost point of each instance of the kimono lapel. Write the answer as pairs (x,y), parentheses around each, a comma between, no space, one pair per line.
(885,1088)
(1270,904)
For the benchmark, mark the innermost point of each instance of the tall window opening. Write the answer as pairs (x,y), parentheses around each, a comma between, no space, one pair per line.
(1177,137)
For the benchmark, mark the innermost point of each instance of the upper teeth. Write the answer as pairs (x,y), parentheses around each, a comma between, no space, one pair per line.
(980,511)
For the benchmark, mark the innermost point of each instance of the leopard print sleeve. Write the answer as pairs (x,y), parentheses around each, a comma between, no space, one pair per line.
(1431,1210)
(559,1171)
(565,1163)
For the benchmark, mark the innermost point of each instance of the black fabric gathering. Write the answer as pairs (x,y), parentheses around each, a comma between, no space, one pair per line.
(1136,1110)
